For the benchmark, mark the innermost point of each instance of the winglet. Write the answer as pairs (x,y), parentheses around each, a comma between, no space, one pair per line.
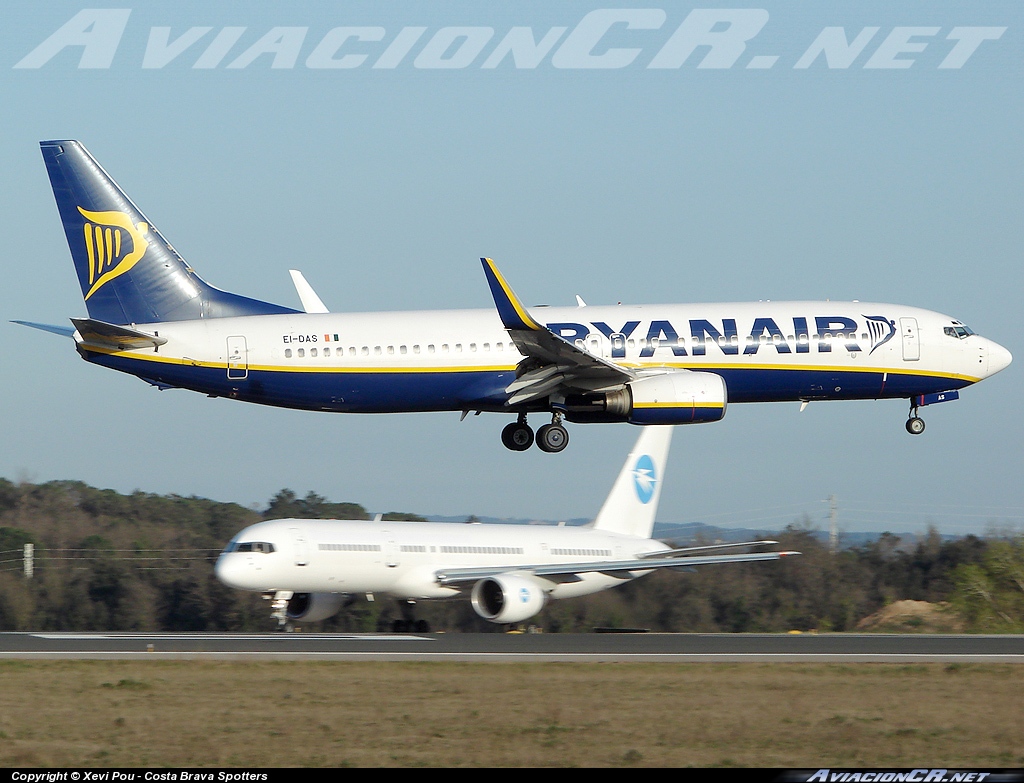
(311,303)
(512,312)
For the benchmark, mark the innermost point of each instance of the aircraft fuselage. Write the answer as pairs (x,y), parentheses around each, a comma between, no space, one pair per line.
(464,359)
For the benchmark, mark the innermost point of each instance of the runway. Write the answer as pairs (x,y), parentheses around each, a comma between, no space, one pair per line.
(520,648)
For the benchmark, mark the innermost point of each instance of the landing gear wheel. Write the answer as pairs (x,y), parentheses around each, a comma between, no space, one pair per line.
(517,436)
(915,426)
(552,438)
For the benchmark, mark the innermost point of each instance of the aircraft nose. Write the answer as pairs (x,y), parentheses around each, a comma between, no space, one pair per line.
(229,570)
(998,358)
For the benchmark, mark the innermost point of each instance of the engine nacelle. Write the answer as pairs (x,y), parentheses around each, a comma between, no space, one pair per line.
(313,607)
(676,397)
(508,598)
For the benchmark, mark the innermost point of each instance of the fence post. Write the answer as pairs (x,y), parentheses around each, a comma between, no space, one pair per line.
(29,557)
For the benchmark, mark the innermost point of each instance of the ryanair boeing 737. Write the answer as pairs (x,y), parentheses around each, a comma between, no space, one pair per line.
(152,316)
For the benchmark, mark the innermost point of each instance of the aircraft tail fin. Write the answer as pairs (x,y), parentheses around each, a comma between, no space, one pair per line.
(128,272)
(632,504)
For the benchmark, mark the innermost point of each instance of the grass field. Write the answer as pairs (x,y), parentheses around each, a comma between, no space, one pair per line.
(194,714)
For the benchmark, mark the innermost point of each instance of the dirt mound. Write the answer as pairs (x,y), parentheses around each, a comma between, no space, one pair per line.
(913,617)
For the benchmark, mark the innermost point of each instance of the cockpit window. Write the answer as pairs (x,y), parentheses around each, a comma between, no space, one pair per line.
(958,331)
(254,546)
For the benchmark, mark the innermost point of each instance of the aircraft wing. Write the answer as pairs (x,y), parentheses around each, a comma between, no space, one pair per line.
(557,363)
(686,551)
(623,569)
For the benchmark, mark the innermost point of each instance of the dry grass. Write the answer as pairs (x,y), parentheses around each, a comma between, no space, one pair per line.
(99,713)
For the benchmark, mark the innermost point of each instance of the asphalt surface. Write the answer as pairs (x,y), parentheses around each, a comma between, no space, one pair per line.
(623,647)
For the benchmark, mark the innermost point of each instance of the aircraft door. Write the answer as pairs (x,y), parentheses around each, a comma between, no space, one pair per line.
(390,550)
(618,345)
(911,341)
(301,546)
(238,358)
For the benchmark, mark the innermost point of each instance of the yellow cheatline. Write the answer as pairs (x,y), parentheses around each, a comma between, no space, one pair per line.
(683,404)
(509,368)
(802,368)
(148,357)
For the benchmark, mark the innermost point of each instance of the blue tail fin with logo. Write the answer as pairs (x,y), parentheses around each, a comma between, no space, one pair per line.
(632,504)
(129,273)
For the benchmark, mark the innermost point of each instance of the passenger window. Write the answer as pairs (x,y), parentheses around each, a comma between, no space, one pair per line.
(287,353)
(302,352)
(312,351)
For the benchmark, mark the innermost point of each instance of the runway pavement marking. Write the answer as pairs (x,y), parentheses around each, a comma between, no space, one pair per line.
(526,656)
(284,637)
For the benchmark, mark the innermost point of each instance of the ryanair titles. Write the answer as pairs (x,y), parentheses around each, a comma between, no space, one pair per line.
(795,335)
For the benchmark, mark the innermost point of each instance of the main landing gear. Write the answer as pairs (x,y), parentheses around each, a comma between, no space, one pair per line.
(551,438)
(915,424)
(409,623)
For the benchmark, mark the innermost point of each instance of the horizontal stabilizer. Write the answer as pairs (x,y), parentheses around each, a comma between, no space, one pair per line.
(119,338)
(63,331)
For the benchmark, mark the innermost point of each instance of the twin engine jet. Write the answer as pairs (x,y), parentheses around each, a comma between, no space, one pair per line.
(152,316)
(312,568)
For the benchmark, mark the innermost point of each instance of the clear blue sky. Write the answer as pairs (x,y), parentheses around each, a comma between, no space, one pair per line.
(889,176)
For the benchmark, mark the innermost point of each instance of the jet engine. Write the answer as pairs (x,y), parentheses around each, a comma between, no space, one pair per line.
(313,607)
(676,397)
(508,598)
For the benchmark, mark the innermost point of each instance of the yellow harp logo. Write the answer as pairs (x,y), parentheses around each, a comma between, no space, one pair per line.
(113,246)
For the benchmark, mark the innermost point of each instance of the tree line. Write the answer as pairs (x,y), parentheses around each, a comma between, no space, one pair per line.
(108,561)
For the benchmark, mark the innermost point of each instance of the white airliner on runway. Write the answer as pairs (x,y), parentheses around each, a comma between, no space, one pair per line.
(313,567)
(151,316)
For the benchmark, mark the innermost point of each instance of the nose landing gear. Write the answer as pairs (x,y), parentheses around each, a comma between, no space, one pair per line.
(915,424)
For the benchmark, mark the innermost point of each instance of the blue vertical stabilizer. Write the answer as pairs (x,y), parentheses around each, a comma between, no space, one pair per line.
(128,272)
